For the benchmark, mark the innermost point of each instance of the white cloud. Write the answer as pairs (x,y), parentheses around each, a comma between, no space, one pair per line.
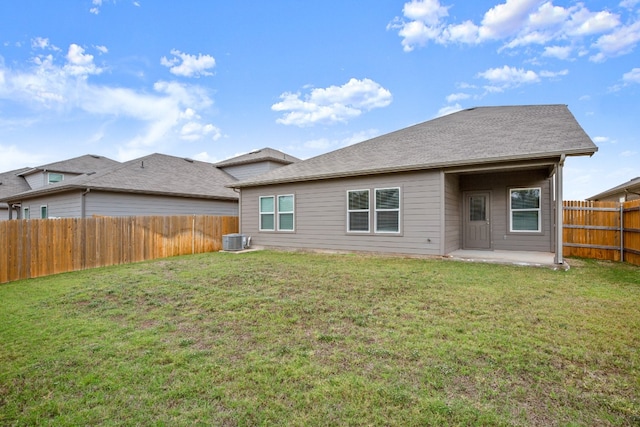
(632,76)
(519,23)
(600,139)
(629,3)
(620,42)
(510,77)
(183,64)
(13,158)
(96,6)
(628,153)
(170,112)
(457,97)
(333,104)
(448,110)
(506,19)
(102,49)
(205,157)
(560,52)
(79,63)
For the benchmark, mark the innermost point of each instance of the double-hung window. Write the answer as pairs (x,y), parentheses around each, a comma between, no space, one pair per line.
(25,213)
(383,209)
(524,210)
(277,212)
(286,212)
(358,211)
(44,214)
(267,213)
(387,210)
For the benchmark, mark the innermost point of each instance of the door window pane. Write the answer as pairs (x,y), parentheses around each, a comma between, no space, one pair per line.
(477,208)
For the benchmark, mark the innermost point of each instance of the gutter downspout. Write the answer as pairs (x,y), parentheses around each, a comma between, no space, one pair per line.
(83,203)
(559,212)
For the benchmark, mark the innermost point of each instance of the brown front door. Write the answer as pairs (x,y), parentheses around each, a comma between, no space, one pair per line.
(477,224)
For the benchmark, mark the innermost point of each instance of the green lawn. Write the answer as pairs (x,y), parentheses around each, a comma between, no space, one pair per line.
(273,338)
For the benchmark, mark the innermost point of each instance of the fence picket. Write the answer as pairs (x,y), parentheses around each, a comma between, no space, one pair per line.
(40,247)
(594,230)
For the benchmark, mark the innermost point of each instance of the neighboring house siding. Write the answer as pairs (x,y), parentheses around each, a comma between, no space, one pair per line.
(453,218)
(4,213)
(321,215)
(40,179)
(63,205)
(126,204)
(499,184)
(247,171)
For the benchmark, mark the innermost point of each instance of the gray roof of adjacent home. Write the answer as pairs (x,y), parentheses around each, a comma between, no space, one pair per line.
(632,185)
(81,164)
(475,136)
(264,154)
(158,174)
(12,183)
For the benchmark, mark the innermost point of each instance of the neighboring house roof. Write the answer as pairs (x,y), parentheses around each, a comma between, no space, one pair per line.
(631,186)
(81,164)
(265,154)
(12,183)
(475,136)
(154,174)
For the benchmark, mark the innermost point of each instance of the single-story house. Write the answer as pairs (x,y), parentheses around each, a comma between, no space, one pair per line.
(483,178)
(156,184)
(626,192)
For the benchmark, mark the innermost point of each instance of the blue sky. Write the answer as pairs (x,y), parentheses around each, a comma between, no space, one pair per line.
(213,79)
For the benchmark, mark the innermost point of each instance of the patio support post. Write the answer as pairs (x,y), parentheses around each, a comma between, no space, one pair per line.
(559,207)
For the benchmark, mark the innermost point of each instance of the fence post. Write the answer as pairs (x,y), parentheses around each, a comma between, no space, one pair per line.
(621,232)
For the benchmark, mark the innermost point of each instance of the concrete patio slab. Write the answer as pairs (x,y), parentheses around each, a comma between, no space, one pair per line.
(523,258)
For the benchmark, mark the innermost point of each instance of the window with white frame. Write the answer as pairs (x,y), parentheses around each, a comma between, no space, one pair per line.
(524,210)
(267,213)
(286,212)
(25,213)
(44,214)
(387,213)
(52,177)
(358,211)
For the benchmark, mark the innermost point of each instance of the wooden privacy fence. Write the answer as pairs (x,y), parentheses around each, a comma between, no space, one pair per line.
(602,230)
(39,247)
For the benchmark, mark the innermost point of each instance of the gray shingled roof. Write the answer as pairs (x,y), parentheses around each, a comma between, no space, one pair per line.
(11,183)
(261,155)
(81,164)
(154,174)
(632,185)
(475,136)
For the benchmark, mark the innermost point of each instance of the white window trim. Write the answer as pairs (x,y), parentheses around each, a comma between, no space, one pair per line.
(54,173)
(47,211)
(292,212)
(26,212)
(368,211)
(376,210)
(538,209)
(260,213)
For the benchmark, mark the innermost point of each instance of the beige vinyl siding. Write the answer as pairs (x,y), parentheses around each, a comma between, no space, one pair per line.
(40,179)
(128,204)
(250,170)
(321,215)
(453,218)
(62,205)
(499,184)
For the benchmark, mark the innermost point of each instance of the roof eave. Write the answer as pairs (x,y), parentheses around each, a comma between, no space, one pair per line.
(445,165)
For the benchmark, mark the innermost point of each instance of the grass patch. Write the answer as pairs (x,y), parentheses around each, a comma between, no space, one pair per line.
(272,338)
